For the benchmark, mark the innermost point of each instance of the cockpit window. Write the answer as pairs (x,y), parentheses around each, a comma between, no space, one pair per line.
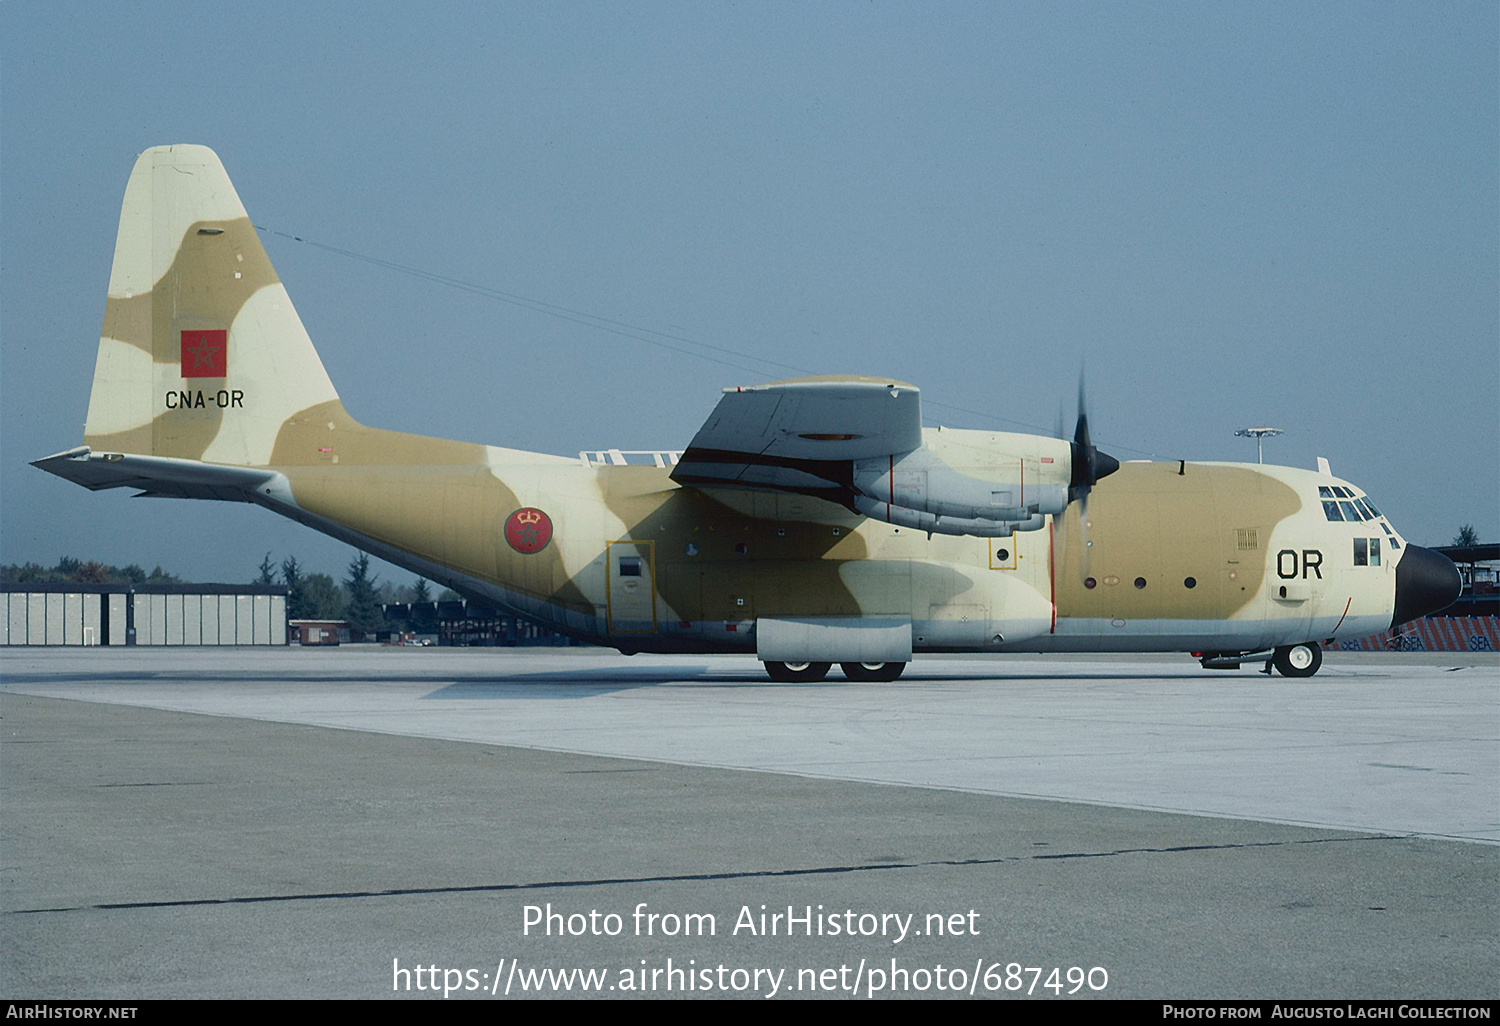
(1350,513)
(1359,504)
(1371,506)
(1331,511)
(1367,552)
(1324,492)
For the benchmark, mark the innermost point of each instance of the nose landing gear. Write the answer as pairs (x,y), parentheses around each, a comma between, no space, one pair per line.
(1297,660)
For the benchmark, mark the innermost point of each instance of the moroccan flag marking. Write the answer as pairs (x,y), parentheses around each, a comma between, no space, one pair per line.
(205,353)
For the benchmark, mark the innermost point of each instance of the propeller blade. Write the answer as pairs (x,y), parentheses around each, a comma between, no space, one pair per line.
(1089,464)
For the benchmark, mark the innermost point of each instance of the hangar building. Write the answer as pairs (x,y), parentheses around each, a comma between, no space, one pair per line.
(69,613)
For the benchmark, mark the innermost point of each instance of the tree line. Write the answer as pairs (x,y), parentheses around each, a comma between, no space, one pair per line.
(357,600)
(77,571)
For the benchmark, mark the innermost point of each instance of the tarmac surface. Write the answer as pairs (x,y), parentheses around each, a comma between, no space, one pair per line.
(322,823)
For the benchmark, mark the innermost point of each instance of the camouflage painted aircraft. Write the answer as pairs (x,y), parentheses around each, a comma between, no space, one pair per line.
(812,521)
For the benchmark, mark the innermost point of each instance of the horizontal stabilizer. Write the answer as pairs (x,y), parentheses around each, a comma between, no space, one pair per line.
(157,475)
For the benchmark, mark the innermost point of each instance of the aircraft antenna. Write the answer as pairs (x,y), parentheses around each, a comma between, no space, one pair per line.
(1259,434)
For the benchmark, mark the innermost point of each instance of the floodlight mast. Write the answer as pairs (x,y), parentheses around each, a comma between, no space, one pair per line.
(1258,433)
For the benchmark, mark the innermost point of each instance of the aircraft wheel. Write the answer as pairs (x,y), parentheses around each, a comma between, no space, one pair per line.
(797,673)
(1298,660)
(872,671)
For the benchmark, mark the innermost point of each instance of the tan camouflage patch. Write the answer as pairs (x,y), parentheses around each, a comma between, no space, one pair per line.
(1147,521)
(715,562)
(326,434)
(129,320)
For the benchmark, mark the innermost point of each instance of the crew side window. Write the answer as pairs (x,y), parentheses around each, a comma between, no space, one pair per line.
(1361,552)
(1374,551)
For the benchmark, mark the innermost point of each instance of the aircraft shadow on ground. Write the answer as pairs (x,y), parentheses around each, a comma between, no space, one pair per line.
(574,684)
(571,684)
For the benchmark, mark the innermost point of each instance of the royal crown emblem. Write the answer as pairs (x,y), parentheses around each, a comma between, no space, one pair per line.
(528,530)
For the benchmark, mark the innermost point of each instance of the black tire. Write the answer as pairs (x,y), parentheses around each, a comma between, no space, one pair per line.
(1298,660)
(872,671)
(797,673)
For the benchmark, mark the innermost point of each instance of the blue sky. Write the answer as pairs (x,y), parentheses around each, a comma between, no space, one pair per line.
(1230,214)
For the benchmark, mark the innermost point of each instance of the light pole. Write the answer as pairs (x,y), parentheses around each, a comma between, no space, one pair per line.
(1257,433)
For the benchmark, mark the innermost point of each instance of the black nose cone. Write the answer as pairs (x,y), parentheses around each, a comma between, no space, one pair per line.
(1426,582)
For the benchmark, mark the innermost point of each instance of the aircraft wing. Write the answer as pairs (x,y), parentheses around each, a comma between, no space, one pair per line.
(802,435)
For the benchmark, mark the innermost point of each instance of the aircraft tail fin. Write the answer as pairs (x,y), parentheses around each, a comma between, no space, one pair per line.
(202,356)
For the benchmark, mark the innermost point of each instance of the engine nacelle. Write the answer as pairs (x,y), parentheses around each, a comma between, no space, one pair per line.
(986,483)
(932,523)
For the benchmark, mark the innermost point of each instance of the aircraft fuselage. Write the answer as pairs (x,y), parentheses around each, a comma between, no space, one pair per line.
(1175,557)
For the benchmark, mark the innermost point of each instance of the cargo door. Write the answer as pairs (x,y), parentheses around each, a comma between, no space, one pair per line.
(631,587)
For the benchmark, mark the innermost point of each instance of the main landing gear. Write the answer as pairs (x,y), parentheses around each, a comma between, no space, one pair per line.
(1292,660)
(872,671)
(807,673)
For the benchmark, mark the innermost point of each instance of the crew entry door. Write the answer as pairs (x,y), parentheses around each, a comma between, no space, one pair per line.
(632,587)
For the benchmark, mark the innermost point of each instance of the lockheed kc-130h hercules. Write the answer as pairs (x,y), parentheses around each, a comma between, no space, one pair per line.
(812,521)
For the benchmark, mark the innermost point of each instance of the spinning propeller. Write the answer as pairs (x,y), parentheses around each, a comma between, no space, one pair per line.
(1089,465)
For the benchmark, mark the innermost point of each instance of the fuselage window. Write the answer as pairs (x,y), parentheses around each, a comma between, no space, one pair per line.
(1331,511)
(630,566)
